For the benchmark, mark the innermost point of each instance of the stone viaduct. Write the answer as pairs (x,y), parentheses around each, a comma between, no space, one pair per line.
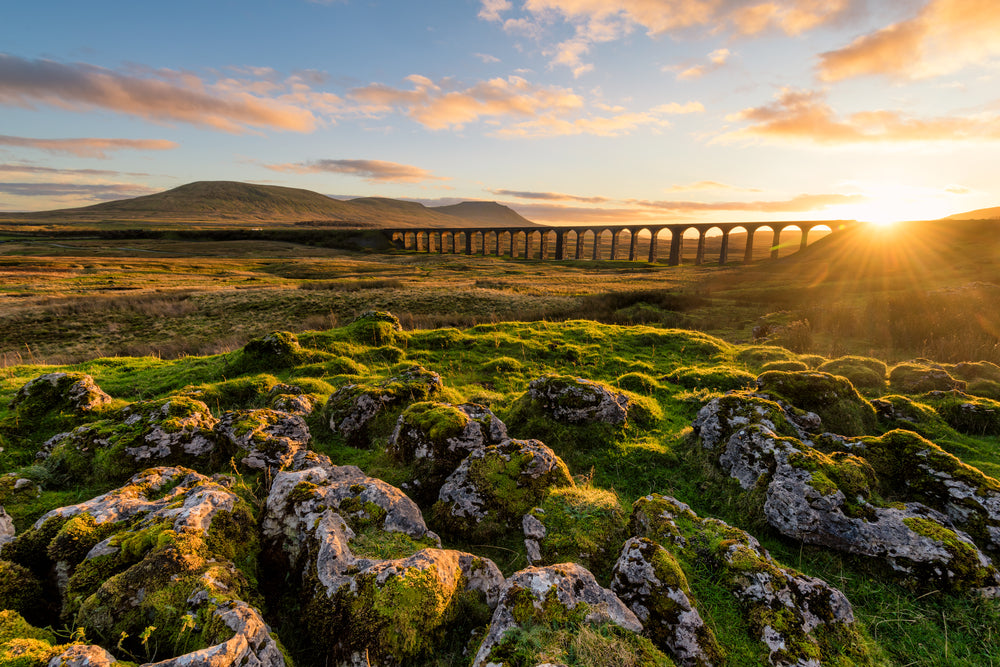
(570,242)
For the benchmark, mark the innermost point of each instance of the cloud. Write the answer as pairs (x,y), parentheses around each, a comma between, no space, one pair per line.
(625,211)
(86,191)
(36,169)
(549,196)
(805,116)
(716,59)
(87,147)
(373,170)
(549,125)
(943,37)
(162,96)
(487,58)
(597,21)
(444,104)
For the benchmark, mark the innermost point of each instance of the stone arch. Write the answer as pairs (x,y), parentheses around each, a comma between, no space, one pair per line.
(764,237)
(621,241)
(570,237)
(660,250)
(691,240)
(813,233)
(710,249)
(787,239)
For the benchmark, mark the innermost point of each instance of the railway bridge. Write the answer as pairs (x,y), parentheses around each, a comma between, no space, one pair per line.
(602,241)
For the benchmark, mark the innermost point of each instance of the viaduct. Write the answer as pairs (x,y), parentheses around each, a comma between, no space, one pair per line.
(570,242)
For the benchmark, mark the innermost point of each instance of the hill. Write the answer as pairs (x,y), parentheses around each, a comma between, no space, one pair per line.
(979,214)
(235,202)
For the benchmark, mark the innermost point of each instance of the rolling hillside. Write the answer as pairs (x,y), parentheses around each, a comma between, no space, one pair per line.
(235,202)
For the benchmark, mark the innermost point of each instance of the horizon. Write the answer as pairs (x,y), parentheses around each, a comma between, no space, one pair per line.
(567,112)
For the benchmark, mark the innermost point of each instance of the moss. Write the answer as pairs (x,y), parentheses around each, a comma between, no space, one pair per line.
(20,590)
(918,378)
(26,653)
(76,537)
(278,349)
(439,421)
(967,414)
(376,543)
(840,406)
(863,372)
(639,382)
(965,570)
(785,365)
(244,392)
(374,328)
(583,525)
(30,548)
(813,361)
(501,366)
(719,378)
(755,356)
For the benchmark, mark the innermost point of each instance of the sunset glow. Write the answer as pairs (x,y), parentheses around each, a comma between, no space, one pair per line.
(568,111)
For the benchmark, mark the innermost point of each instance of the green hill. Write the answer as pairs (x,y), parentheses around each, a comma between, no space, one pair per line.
(235,202)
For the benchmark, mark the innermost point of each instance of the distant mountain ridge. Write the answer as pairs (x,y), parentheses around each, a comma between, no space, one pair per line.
(979,214)
(237,202)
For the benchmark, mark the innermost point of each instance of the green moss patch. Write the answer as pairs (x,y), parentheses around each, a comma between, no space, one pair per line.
(836,401)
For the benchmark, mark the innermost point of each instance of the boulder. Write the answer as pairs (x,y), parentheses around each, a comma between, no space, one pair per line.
(177,426)
(650,581)
(372,589)
(83,655)
(495,486)
(374,327)
(582,524)
(278,349)
(266,439)
(827,500)
(160,552)
(290,399)
(794,617)
(718,419)
(75,392)
(353,407)
(557,594)
(839,405)
(433,438)
(918,378)
(7,529)
(575,400)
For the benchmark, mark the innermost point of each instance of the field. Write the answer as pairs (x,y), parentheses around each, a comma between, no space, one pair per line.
(183,323)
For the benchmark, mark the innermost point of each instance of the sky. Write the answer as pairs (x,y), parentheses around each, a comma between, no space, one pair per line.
(585,111)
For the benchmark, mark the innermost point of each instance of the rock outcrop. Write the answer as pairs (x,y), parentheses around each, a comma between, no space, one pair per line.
(495,486)
(578,401)
(76,392)
(264,439)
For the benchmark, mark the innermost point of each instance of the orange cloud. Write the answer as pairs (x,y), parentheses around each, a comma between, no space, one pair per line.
(709,185)
(78,191)
(164,97)
(549,196)
(373,170)
(440,105)
(598,21)
(716,59)
(87,147)
(943,37)
(799,116)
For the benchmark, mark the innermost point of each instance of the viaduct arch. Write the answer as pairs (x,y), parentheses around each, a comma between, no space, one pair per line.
(626,241)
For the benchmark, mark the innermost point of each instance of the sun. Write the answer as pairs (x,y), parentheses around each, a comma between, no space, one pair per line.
(885,205)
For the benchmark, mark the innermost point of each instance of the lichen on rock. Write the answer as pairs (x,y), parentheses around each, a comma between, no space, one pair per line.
(495,486)
(75,392)
(433,438)
(264,439)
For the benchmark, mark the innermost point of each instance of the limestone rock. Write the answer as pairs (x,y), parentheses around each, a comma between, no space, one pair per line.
(548,595)
(842,409)
(495,486)
(83,655)
(265,438)
(433,438)
(250,646)
(177,426)
(359,604)
(651,582)
(60,391)
(795,617)
(721,417)
(581,524)
(6,527)
(352,407)
(578,400)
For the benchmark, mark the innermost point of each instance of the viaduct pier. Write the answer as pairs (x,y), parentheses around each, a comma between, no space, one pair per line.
(595,242)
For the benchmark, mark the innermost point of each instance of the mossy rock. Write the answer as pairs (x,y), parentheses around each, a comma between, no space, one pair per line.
(902,412)
(785,365)
(57,392)
(813,361)
(973,371)
(967,414)
(683,342)
(717,378)
(582,524)
(375,327)
(22,644)
(640,383)
(721,417)
(755,356)
(863,372)
(917,378)
(494,487)
(439,339)
(501,366)
(363,412)
(21,591)
(836,401)
(278,349)
(431,439)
